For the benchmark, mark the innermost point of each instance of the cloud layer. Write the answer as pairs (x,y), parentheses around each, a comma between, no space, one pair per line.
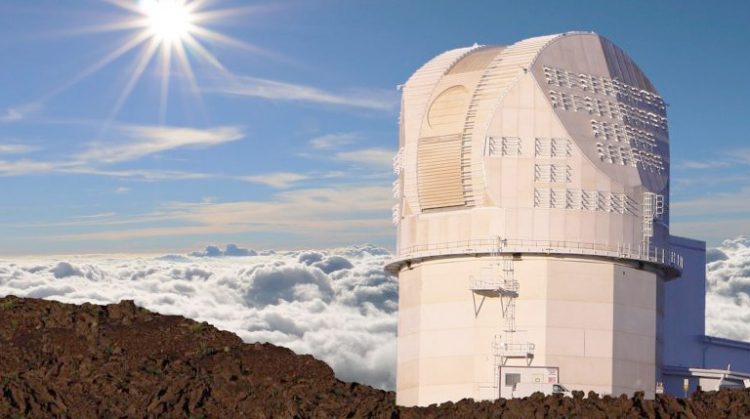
(338,305)
(728,290)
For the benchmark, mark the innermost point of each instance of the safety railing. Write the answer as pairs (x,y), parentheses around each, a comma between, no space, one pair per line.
(653,254)
(486,287)
(507,349)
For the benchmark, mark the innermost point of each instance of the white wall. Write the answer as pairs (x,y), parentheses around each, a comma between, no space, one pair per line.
(593,318)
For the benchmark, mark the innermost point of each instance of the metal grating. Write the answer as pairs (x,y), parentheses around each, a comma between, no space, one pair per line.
(502,147)
(553,148)
(603,85)
(552,173)
(577,199)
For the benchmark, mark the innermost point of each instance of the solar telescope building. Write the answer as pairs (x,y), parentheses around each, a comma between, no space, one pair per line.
(533,228)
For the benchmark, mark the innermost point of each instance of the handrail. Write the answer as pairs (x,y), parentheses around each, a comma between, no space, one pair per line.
(518,346)
(654,254)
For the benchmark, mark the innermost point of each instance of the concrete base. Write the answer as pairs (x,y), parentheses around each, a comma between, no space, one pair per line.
(596,319)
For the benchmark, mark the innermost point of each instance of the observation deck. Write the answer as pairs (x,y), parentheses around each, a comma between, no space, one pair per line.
(667,260)
(489,288)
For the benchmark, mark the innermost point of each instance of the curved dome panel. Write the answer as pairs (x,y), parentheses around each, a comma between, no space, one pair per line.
(448,108)
(555,142)
(439,172)
(609,107)
(417,92)
(501,74)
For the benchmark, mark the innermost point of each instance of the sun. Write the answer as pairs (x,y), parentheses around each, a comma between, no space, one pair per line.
(168,20)
(170,34)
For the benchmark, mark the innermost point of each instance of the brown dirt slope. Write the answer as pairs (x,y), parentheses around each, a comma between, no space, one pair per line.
(61,360)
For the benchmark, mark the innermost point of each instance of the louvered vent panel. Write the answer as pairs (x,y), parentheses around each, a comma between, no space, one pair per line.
(439,172)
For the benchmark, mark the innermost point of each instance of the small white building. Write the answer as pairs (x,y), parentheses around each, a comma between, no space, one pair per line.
(533,228)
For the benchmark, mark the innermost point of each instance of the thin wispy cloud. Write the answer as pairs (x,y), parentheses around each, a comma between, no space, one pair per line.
(351,213)
(133,142)
(279,180)
(25,167)
(378,100)
(97,216)
(17,149)
(141,141)
(96,160)
(376,157)
(718,203)
(713,230)
(317,210)
(741,155)
(725,159)
(332,141)
(138,174)
(18,113)
(701,165)
(713,216)
(32,167)
(707,182)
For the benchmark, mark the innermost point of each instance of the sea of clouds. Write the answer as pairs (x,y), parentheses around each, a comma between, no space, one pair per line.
(728,290)
(336,304)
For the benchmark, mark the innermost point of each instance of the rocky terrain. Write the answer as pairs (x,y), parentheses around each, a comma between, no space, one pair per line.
(60,360)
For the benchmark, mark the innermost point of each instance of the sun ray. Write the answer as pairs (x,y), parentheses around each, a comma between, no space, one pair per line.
(185,66)
(207,16)
(166,62)
(170,33)
(198,4)
(133,42)
(193,43)
(228,40)
(132,6)
(143,59)
(187,69)
(116,26)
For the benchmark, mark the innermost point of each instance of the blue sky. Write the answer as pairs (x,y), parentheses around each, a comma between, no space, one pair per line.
(285,141)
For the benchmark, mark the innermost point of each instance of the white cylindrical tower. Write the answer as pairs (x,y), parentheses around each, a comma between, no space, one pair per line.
(533,229)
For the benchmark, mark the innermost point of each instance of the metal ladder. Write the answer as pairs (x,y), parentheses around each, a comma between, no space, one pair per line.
(498,280)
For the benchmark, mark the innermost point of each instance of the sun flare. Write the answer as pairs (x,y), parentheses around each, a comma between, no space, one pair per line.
(170,34)
(168,20)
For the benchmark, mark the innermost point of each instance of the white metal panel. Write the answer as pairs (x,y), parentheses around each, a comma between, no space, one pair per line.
(439,172)
(416,95)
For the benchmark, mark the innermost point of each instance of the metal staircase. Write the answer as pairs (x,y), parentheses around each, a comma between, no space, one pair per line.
(498,281)
(651,209)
